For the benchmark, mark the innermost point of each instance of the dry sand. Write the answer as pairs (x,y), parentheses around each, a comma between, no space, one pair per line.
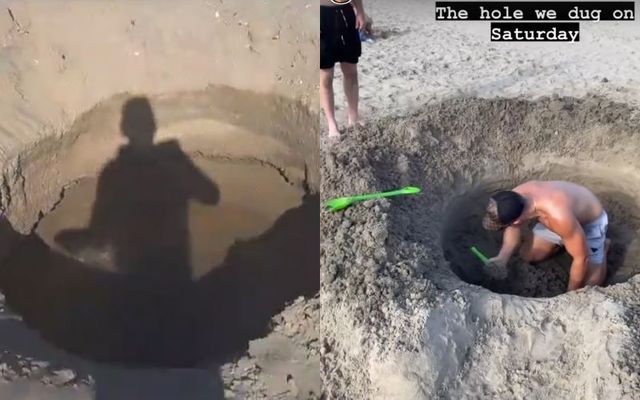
(459,116)
(232,90)
(416,60)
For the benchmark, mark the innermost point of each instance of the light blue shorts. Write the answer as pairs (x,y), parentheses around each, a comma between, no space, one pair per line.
(595,232)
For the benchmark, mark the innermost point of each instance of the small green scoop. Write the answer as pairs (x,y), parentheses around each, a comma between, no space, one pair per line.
(343,202)
(479,254)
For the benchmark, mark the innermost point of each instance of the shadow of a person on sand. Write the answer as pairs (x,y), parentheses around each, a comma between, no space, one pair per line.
(147,311)
(139,224)
(141,209)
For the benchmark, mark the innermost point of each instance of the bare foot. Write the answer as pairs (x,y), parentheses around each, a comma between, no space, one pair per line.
(358,123)
(334,132)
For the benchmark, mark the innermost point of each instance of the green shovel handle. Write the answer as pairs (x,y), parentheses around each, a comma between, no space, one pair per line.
(405,190)
(479,254)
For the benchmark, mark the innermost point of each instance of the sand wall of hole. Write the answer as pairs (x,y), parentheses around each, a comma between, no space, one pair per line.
(164,230)
(390,271)
(219,122)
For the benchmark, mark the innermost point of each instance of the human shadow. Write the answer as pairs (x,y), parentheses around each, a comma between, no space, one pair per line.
(34,289)
(140,222)
(140,216)
(108,317)
(258,278)
(148,312)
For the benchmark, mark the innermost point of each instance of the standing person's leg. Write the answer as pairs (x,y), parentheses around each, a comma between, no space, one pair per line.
(328,56)
(327,100)
(351,89)
(350,52)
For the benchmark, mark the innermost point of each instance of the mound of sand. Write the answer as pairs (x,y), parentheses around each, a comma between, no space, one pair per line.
(408,318)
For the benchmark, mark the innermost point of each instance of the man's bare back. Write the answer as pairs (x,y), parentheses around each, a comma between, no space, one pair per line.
(554,199)
(568,215)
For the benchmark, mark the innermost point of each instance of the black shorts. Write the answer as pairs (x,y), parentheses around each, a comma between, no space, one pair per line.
(339,38)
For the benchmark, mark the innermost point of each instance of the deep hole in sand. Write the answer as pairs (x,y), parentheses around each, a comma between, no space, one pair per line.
(461,149)
(463,229)
(170,254)
(393,263)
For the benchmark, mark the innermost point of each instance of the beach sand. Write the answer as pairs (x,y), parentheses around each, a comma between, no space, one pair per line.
(416,60)
(413,314)
(227,81)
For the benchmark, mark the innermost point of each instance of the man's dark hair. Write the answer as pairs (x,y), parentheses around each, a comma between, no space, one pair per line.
(504,208)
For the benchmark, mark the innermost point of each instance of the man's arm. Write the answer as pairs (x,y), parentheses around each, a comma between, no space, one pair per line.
(497,266)
(357,5)
(576,245)
(204,189)
(360,18)
(510,241)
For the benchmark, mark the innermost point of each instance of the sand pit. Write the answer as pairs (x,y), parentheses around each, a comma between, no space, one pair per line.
(463,229)
(174,242)
(411,317)
(177,232)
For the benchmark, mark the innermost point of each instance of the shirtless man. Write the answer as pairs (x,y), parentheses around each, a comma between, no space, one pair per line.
(340,43)
(568,215)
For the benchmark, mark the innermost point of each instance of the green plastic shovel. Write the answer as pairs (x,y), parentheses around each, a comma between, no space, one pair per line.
(343,202)
(479,254)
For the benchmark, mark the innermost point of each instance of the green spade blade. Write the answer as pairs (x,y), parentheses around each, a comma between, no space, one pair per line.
(479,254)
(343,202)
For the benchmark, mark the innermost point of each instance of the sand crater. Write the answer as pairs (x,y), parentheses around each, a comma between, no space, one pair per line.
(462,229)
(164,231)
(460,150)
(392,266)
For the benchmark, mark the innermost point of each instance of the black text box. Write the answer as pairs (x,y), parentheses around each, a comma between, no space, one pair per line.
(536,31)
(533,11)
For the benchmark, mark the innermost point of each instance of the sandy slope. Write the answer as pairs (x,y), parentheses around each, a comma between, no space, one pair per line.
(60,58)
